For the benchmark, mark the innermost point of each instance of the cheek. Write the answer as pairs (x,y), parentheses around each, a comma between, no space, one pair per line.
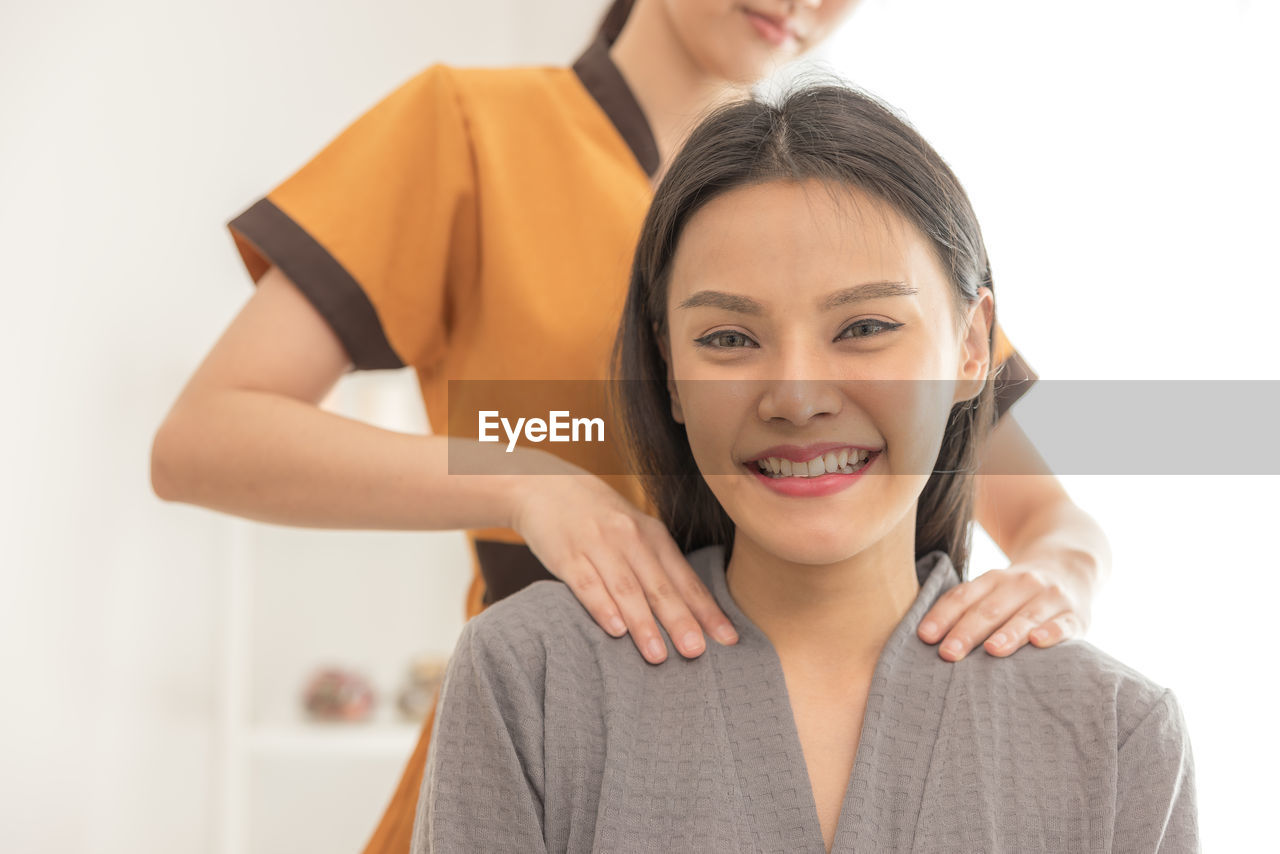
(912,417)
(717,37)
(830,16)
(713,411)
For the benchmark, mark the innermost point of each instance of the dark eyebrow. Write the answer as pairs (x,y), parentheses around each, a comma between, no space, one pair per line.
(728,302)
(871,290)
(746,305)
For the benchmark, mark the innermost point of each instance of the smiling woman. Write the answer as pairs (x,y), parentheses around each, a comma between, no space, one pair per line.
(810,292)
(797,246)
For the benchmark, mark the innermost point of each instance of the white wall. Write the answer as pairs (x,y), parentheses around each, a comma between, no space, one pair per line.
(1121,155)
(1133,238)
(129,133)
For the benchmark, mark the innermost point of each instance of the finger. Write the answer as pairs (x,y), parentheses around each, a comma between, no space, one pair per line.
(944,614)
(985,616)
(584,580)
(667,603)
(695,594)
(629,595)
(1016,631)
(1062,627)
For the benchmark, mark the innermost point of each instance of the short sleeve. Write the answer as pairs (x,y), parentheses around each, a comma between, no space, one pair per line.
(1013,376)
(483,787)
(1155,789)
(379,229)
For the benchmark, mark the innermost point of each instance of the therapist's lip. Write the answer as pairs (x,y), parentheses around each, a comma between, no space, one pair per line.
(804,453)
(776,29)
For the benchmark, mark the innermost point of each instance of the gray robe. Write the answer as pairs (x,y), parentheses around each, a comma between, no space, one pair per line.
(553,736)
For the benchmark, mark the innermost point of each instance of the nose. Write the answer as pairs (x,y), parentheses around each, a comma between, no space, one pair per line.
(796,396)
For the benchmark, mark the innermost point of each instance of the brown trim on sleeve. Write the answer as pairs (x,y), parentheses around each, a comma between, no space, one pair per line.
(325,283)
(1013,378)
(606,84)
(507,568)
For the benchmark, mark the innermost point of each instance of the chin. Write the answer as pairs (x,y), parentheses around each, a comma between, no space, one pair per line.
(747,67)
(811,546)
(743,74)
(757,73)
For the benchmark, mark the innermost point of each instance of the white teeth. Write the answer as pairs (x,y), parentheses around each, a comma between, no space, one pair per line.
(846,461)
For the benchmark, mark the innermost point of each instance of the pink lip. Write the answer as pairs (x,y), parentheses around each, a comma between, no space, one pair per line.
(804,453)
(776,31)
(812,487)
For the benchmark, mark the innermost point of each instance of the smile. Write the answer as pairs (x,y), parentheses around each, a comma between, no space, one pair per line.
(821,471)
(837,461)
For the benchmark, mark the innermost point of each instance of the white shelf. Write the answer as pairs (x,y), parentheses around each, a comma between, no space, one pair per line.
(337,739)
(296,600)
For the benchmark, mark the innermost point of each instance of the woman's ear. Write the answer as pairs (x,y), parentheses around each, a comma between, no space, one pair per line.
(975,347)
(676,412)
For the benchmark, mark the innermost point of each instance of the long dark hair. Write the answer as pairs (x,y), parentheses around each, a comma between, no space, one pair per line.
(841,137)
(614,19)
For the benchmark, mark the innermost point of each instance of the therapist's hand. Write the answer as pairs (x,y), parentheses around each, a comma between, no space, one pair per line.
(1059,557)
(1041,601)
(620,562)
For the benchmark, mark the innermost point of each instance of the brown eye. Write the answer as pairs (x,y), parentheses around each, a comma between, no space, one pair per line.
(726,339)
(866,327)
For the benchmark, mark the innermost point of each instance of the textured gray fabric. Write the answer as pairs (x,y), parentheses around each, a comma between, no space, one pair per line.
(552,735)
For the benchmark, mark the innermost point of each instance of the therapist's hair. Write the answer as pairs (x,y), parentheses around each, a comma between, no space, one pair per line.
(614,20)
(841,137)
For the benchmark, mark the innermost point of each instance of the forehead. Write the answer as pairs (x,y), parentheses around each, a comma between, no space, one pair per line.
(781,239)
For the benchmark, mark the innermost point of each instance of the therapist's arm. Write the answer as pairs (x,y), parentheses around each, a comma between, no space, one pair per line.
(483,785)
(1059,558)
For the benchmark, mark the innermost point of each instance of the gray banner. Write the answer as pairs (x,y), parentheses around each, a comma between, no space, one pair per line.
(1134,427)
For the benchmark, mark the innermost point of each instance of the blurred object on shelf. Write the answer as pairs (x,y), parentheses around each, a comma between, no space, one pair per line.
(425,675)
(334,694)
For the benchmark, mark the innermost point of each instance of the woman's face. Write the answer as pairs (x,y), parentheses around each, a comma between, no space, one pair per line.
(742,41)
(813,333)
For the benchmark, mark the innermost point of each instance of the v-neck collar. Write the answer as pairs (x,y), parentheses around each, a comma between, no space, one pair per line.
(883,797)
(605,83)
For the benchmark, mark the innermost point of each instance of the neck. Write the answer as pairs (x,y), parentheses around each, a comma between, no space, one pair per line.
(673,90)
(831,621)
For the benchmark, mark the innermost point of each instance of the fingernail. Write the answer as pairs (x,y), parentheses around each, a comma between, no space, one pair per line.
(929,628)
(656,648)
(953,646)
(999,640)
(725,634)
(616,626)
(693,643)
(1040,635)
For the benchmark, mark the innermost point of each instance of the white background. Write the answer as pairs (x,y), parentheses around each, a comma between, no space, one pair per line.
(1121,156)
